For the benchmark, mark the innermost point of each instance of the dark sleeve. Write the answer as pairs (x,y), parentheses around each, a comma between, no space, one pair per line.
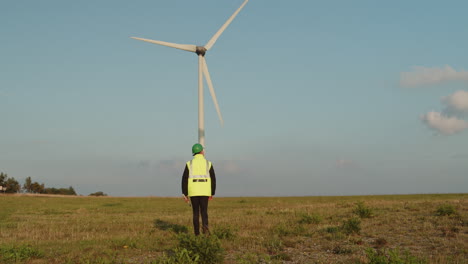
(213,180)
(185,181)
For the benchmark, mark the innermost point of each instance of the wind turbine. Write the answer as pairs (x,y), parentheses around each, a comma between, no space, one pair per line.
(202,71)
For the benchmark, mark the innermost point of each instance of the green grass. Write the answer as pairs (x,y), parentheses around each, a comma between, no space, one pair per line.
(112,230)
(446,209)
(19,253)
(363,211)
(351,226)
(306,218)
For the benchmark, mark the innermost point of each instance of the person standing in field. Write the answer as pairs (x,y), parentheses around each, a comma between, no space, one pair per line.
(199,185)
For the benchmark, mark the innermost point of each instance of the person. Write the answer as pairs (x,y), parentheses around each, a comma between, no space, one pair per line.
(199,185)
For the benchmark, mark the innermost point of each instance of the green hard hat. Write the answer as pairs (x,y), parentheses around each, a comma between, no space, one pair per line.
(197,148)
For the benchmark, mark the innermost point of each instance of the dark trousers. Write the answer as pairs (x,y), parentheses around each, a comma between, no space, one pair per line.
(200,205)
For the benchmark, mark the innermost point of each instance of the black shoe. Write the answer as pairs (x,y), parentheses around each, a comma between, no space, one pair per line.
(206,230)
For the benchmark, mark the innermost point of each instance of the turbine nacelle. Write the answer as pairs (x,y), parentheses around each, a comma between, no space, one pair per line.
(201,50)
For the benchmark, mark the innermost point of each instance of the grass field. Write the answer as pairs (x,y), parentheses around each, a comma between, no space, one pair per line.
(352,229)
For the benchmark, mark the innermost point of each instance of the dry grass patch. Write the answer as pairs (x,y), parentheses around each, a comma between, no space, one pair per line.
(250,230)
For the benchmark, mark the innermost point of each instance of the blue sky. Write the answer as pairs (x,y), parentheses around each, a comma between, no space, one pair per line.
(318,98)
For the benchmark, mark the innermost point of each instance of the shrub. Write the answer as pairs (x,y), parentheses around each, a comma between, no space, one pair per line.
(179,229)
(446,209)
(97,194)
(362,210)
(352,225)
(13,254)
(179,256)
(288,229)
(274,245)
(376,257)
(310,219)
(207,248)
(223,232)
(332,229)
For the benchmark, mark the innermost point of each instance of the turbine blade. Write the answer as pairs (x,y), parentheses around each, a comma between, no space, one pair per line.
(221,30)
(191,48)
(206,73)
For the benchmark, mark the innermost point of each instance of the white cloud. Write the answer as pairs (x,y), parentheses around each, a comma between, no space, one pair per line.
(457,101)
(427,76)
(443,124)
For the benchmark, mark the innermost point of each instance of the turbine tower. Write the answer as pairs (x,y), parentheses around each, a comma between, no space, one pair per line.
(202,71)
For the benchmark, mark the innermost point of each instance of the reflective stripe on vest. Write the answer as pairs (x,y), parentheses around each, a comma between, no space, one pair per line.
(206,175)
(199,180)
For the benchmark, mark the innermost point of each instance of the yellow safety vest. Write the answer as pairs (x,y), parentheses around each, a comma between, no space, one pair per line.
(199,180)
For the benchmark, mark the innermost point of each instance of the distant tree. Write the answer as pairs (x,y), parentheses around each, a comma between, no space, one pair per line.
(98,194)
(12,185)
(71,191)
(50,191)
(37,188)
(27,186)
(3,177)
(62,191)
